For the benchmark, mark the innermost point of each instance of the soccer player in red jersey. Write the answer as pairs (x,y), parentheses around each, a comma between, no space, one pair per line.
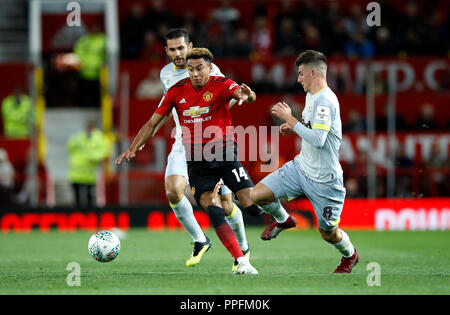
(201,102)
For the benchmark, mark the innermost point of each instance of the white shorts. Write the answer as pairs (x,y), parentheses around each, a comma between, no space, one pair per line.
(176,165)
(327,198)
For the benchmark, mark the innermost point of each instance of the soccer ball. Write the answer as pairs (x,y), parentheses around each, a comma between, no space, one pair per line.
(104,246)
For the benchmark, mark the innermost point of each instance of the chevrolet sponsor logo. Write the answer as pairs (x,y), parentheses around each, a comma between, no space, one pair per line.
(195,111)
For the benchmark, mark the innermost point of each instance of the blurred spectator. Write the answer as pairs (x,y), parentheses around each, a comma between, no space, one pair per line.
(381,122)
(6,179)
(339,78)
(308,12)
(91,51)
(86,149)
(227,18)
(226,15)
(403,178)
(337,39)
(438,179)
(355,21)
(241,46)
(354,122)
(261,38)
(153,49)
(151,86)
(384,44)
(311,38)
(158,14)
(286,38)
(132,33)
(17,114)
(426,119)
(359,46)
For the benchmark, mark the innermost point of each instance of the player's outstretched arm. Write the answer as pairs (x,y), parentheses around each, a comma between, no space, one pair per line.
(244,94)
(161,123)
(145,133)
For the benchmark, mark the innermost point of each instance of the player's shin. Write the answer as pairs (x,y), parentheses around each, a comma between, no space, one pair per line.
(345,246)
(224,231)
(185,215)
(276,210)
(236,222)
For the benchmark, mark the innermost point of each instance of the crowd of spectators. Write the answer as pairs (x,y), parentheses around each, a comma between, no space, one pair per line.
(416,28)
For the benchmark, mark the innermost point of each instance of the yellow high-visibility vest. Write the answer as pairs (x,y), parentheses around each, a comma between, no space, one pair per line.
(17,116)
(85,153)
(91,50)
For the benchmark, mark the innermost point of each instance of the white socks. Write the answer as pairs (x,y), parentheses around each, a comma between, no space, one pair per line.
(345,247)
(185,215)
(236,222)
(276,210)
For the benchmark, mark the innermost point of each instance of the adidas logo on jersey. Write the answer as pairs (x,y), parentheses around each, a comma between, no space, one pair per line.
(183,101)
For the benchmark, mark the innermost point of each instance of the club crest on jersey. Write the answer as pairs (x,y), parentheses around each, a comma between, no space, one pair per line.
(195,111)
(207,96)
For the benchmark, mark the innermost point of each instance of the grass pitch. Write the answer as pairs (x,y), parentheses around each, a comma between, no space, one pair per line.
(297,262)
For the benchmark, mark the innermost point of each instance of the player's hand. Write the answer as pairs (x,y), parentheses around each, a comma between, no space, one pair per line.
(127,156)
(282,110)
(215,194)
(285,129)
(244,94)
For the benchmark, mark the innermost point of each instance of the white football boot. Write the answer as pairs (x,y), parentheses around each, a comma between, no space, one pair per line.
(245,268)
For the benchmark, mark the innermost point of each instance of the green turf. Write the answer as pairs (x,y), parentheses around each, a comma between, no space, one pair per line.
(297,262)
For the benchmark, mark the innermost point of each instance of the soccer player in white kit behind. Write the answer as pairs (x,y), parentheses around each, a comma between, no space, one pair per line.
(316,171)
(176,176)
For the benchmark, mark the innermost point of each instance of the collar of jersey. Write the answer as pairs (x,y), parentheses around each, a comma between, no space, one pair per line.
(320,91)
(175,68)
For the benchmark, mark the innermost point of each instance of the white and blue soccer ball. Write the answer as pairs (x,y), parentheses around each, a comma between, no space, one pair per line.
(104,246)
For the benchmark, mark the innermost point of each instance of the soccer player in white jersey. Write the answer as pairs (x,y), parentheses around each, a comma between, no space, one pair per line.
(316,171)
(176,176)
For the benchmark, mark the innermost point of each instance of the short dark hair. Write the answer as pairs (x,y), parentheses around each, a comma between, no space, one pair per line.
(310,56)
(177,33)
(198,53)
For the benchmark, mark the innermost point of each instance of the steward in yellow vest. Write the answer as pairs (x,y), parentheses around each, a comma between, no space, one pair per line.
(17,115)
(86,150)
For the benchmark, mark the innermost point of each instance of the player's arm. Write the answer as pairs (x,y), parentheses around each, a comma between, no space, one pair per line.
(316,136)
(145,133)
(244,94)
(162,123)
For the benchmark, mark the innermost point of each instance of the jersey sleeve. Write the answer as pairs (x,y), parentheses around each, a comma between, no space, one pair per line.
(323,116)
(231,87)
(165,105)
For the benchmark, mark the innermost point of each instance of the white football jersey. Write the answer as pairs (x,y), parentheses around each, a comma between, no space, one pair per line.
(169,75)
(322,112)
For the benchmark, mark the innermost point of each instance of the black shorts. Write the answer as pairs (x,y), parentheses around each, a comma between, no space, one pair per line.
(203,176)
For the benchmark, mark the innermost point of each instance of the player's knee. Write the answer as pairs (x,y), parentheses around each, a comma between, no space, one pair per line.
(329,236)
(174,195)
(256,197)
(174,191)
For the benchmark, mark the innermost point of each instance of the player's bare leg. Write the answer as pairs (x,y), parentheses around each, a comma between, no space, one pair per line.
(339,239)
(244,196)
(264,197)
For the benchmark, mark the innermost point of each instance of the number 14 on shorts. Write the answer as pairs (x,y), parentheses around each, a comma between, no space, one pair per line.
(241,174)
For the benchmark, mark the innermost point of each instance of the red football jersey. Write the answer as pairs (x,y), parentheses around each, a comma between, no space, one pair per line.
(203,113)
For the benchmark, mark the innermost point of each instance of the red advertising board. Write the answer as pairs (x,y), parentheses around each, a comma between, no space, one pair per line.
(379,214)
(389,214)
